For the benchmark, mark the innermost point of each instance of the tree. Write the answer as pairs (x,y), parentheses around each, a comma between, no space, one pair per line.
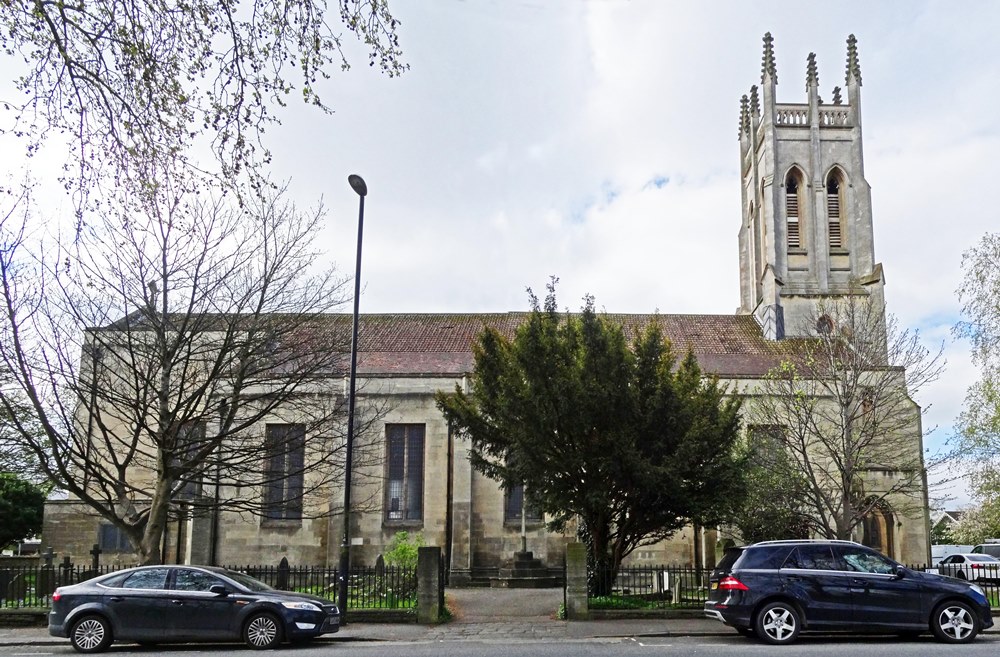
(842,409)
(139,85)
(21,504)
(154,348)
(630,441)
(979,423)
(768,512)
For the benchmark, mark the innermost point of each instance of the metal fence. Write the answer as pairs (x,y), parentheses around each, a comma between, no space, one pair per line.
(388,587)
(682,587)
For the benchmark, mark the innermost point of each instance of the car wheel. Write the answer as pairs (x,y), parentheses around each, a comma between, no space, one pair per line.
(777,623)
(954,622)
(91,634)
(961,575)
(262,632)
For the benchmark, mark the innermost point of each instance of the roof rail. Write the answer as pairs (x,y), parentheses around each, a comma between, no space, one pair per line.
(793,541)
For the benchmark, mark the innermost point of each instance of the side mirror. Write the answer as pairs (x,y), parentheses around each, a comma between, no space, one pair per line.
(218,589)
(900,571)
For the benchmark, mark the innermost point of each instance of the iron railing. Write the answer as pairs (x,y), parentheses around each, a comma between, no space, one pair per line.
(684,587)
(388,587)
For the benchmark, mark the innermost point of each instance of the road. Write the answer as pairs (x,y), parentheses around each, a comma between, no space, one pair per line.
(818,646)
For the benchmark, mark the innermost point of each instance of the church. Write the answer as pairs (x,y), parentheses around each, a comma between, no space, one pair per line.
(805,237)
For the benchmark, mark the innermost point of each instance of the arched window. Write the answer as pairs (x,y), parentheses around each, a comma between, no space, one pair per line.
(793,216)
(835,209)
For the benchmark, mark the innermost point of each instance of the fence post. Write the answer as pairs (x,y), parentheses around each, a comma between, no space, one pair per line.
(428,584)
(576,582)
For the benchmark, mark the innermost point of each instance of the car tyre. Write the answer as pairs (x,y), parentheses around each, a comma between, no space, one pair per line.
(778,623)
(262,631)
(954,622)
(961,575)
(91,634)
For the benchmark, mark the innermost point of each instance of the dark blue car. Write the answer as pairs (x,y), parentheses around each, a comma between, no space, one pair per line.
(776,589)
(166,604)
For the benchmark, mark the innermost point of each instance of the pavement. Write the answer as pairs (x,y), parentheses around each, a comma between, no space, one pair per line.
(480,615)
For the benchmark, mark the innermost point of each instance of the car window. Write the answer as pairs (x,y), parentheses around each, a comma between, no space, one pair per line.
(114,581)
(152,578)
(194,580)
(958,559)
(811,557)
(866,561)
(765,557)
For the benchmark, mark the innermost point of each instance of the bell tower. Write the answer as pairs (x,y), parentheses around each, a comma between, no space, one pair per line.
(806,230)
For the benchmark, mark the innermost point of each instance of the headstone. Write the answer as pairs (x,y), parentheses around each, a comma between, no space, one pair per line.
(283,572)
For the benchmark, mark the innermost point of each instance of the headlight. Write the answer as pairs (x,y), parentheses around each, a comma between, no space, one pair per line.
(304,606)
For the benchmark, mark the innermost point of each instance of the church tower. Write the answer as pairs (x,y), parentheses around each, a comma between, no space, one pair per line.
(806,232)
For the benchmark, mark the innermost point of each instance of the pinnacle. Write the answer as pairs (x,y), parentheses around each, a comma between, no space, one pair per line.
(853,63)
(767,67)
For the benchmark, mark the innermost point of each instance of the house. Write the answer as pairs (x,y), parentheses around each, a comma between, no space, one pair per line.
(805,237)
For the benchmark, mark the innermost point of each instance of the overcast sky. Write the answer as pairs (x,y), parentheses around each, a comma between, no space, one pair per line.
(597,142)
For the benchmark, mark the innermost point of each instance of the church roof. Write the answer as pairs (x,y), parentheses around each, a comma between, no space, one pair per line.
(423,344)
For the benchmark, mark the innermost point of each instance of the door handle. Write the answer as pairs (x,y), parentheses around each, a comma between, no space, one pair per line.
(116,598)
(177,602)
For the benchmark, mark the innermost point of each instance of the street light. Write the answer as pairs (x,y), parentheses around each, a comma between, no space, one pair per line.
(358,185)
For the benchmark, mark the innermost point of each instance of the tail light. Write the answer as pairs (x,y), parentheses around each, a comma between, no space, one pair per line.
(730,583)
(57,596)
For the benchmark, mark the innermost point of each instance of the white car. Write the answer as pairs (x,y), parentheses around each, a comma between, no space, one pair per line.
(973,567)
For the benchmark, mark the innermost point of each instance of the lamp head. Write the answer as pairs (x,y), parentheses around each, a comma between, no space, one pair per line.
(358,184)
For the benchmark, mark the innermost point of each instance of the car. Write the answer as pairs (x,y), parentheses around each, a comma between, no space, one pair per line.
(973,567)
(776,589)
(171,603)
(990,547)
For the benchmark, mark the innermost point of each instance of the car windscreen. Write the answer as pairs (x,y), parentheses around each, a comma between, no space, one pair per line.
(983,558)
(247,581)
(729,557)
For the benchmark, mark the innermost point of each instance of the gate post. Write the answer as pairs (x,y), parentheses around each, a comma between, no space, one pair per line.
(576,582)
(429,589)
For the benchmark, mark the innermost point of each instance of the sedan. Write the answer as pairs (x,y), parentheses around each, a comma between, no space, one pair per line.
(166,604)
(973,567)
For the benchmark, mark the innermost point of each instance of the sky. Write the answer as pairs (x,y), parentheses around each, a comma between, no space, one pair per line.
(597,142)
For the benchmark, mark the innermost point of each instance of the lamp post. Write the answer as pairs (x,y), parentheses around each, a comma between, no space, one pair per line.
(358,185)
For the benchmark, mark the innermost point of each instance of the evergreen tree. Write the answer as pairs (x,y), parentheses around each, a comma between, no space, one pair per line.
(630,441)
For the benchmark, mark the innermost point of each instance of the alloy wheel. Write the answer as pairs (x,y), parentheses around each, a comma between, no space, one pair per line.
(262,632)
(956,622)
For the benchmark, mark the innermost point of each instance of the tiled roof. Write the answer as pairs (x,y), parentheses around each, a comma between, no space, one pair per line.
(441,344)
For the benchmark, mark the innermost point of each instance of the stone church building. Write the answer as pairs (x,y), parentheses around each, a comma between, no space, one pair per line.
(805,235)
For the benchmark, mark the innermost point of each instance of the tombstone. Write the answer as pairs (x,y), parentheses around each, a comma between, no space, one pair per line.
(380,566)
(6,577)
(283,571)
(66,571)
(46,582)
(96,561)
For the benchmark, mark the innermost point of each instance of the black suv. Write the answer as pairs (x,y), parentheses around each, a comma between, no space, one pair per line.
(774,590)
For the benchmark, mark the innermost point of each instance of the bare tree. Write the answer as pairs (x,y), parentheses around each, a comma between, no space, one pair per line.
(180,359)
(133,82)
(842,409)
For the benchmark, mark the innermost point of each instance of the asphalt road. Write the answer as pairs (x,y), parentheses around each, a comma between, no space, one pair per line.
(818,646)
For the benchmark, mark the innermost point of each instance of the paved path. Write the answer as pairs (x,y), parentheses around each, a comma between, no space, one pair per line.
(485,605)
